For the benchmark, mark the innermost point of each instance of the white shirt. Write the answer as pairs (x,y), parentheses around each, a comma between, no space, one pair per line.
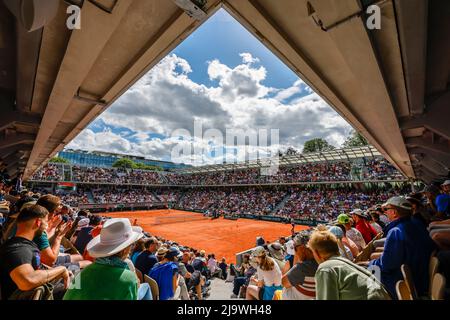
(357,237)
(271,277)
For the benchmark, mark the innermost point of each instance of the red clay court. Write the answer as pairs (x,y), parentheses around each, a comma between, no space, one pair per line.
(223,237)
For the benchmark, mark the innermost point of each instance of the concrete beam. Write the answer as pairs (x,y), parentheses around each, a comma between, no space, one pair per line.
(13,172)
(11,117)
(429,174)
(83,49)
(433,165)
(16,139)
(444,159)
(428,144)
(14,163)
(424,175)
(28,46)
(412,25)
(9,150)
(13,157)
(434,119)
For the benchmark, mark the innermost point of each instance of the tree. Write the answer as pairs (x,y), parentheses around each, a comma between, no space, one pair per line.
(130,164)
(143,166)
(124,163)
(59,160)
(291,151)
(317,145)
(355,139)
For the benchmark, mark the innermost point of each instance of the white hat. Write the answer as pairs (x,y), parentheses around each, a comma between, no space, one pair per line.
(276,250)
(399,202)
(258,252)
(290,247)
(116,235)
(446,183)
(82,223)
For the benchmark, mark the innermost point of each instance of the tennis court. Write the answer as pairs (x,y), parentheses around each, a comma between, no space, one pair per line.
(220,236)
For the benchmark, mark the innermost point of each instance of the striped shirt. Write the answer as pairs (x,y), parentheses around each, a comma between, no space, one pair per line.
(301,277)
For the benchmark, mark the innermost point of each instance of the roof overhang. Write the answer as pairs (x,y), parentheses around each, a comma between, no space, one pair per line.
(389,84)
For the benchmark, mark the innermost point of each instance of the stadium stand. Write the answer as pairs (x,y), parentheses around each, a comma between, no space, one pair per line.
(280,272)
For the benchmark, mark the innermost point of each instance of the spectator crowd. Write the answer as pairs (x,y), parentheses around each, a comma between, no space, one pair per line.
(373,245)
(375,169)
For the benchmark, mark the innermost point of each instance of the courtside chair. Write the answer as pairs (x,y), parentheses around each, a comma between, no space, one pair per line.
(365,253)
(402,290)
(153,286)
(438,287)
(434,267)
(38,293)
(139,275)
(407,276)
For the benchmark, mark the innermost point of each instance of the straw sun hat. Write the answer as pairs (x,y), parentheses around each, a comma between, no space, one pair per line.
(116,235)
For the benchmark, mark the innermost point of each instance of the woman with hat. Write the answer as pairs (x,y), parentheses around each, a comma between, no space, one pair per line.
(109,277)
(268,277)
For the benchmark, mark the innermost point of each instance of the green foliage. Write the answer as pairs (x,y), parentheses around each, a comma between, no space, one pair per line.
(124,163)
(130,164)
(355,139)
(143,166)
(59,160)
(317,145)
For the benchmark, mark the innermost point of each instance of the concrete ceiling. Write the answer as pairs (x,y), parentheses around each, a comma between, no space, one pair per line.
(390,84)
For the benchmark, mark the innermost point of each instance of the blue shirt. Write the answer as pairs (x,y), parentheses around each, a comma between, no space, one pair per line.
(163,275)
(407,242)
(134,256)
(42,241)
(83,238)
(145,261)
(443,204)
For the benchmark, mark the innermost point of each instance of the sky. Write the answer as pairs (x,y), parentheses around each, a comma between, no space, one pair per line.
(220,81)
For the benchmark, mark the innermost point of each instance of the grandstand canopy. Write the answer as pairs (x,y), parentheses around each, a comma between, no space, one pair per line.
(391,84)
(295,159)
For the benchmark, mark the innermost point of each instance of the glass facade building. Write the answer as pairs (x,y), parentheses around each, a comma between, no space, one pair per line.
(106,160)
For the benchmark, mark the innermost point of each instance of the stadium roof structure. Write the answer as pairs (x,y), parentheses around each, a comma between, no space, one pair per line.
(346,154)
(391,84)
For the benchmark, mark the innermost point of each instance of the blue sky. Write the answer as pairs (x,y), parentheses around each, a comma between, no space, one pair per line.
(224,78)
(226,38)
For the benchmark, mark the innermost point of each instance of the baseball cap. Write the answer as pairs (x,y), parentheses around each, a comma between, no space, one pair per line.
(399,202)
(337,232)
(446,183)
(172,252)
(302,238)
(83,223)
(343,218)
(359,212)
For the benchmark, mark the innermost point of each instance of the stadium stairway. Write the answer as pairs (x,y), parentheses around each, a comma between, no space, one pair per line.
(220,290)
(163,178)
(157,198)
(90,196)
(279,206)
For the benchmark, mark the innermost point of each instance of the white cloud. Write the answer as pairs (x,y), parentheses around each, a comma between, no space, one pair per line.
(166,99)
(248,58)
